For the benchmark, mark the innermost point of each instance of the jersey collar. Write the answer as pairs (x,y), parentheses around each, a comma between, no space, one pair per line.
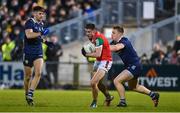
(120,38)
(96,33)
(35,21)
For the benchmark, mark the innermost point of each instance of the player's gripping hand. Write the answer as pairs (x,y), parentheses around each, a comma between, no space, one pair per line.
(83,52)
(45,31)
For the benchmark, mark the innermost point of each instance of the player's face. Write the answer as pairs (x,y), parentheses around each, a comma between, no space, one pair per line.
(39,15)
(115,34)
(89,33)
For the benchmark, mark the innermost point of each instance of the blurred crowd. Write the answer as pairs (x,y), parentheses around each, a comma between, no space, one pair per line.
(171,54)
(14,13)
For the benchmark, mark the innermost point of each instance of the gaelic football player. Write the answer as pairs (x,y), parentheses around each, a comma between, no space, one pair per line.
(122,46)
(102,64)
(33,53)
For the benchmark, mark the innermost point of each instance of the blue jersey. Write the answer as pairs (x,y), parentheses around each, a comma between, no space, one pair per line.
(127,54)
(33,46)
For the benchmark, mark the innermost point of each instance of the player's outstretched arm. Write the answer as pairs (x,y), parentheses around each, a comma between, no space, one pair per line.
(116,47)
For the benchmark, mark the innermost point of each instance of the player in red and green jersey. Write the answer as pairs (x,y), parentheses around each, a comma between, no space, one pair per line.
(102,64)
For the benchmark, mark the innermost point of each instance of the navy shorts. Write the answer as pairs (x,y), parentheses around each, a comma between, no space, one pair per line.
(28,59)
(135,69)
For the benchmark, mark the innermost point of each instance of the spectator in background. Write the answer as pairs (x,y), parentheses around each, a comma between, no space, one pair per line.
(7,49)
(178,57)
(87,8)
(169,53)
(173,59)
(144,59)
(176,46)
(161,59)
(156,53)
(53,54)
(75,11)
(18,50)
(62,15)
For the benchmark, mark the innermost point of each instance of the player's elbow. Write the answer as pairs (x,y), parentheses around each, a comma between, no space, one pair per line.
(29,35)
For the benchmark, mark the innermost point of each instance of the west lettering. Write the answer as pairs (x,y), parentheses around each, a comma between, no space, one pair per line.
(159,81)
(151,81)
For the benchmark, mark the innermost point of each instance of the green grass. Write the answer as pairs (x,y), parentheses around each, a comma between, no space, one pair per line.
(79,101)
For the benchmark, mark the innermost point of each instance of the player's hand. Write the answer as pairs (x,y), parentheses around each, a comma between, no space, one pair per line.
(45,31)
(83,52)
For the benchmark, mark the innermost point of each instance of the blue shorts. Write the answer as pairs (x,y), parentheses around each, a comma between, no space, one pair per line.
(135,69)
(28,59)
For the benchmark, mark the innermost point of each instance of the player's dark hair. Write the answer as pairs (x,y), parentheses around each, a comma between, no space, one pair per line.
(90,26)
(38,8)
(119,29)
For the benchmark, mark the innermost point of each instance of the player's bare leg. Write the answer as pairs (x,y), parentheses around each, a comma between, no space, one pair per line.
(133,84)
(94,82)
(38,63)
(103,88)
(118,82)
(27,77)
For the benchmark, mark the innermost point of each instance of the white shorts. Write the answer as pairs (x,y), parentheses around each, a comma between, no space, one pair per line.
(105,65)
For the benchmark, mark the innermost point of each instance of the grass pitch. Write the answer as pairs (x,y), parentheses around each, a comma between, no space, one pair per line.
(79,101)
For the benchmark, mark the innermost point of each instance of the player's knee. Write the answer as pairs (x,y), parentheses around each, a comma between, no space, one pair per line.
(93,84)
(116,81)
(38,73)
(27,78)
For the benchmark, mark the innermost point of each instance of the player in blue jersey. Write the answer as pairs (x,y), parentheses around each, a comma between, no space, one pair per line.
(33,53)
(122,46)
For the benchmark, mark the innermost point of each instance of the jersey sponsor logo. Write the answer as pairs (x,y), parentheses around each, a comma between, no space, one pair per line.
(133,67)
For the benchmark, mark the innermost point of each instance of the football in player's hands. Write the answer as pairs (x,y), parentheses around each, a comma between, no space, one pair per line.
(89,47)
(83,52)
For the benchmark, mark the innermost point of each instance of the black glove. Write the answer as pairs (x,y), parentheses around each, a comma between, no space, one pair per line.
(49,44)
(83,52)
